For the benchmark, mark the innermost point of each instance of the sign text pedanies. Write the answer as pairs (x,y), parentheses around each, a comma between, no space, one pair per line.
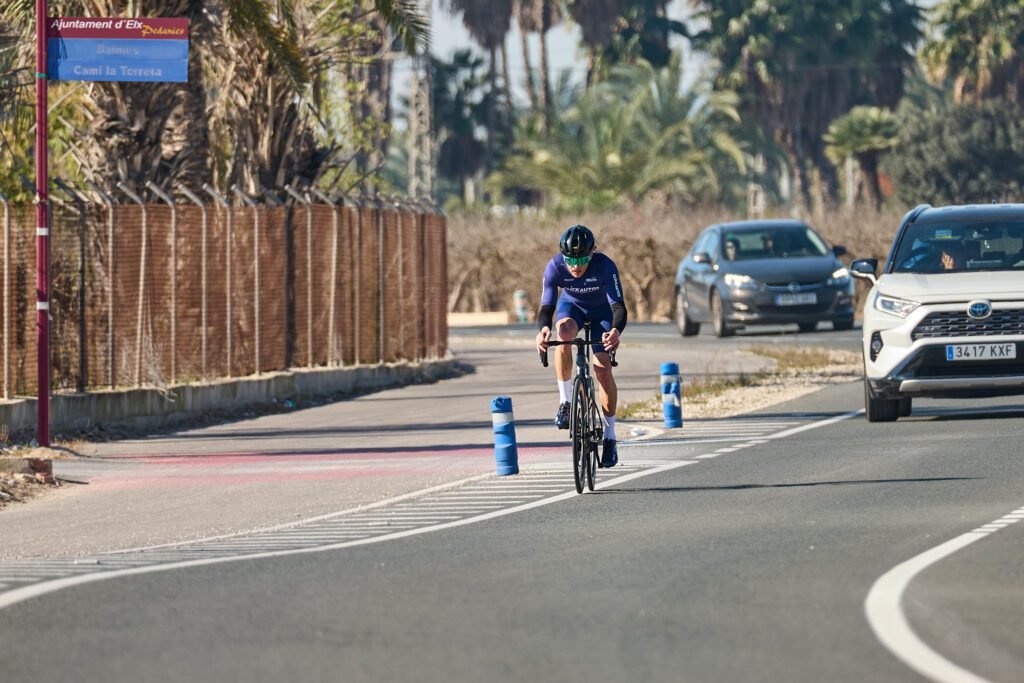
(117,49)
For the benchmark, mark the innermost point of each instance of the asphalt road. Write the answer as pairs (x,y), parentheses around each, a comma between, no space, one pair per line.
(771,547)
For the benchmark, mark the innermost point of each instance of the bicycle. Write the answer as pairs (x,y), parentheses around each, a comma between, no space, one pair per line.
(586,421)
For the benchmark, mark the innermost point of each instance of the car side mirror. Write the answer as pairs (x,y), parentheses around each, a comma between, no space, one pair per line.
(838,250)
(702,257)
(865,269)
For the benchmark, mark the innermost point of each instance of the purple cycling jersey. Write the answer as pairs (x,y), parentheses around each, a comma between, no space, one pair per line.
(599,285)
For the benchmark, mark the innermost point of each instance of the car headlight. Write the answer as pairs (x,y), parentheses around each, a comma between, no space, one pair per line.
(737,281)
(840,277)
(900,308)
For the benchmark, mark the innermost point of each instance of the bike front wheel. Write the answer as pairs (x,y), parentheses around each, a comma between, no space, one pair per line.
(580,429)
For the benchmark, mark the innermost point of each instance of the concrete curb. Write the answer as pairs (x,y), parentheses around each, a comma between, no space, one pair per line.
(153,408)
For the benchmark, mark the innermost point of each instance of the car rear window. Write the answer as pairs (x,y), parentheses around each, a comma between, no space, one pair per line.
(960,247)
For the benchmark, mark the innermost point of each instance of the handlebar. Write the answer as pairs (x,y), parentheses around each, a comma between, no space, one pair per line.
(572,342)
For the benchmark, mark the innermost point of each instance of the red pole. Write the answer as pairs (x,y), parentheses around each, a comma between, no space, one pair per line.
(42,232)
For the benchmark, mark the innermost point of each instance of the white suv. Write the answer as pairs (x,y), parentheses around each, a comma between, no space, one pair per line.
(945,318)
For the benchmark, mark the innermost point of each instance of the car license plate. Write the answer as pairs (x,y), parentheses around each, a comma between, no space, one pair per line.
(796,299)
(980,351)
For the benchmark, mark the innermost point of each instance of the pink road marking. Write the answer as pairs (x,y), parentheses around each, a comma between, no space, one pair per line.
(252,468)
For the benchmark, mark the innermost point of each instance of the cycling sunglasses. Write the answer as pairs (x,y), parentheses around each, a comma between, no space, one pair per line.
(576,261)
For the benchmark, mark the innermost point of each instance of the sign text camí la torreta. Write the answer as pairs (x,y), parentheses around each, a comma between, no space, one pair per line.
(117,49)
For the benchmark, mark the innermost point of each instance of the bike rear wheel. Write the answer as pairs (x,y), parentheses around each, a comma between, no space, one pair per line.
(580,429)
(594,436)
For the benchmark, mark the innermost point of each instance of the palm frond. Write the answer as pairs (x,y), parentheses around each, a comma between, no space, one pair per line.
(408,23)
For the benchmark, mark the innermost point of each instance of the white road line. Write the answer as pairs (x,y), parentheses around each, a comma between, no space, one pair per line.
(885,614)
(455,507)
(337,534)
(814,425)
(727,450)
(349,520)
(330,515)
(21,594)
(707,456)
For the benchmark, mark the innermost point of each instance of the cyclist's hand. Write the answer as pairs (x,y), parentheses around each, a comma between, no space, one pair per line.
(542,339)
(611,340)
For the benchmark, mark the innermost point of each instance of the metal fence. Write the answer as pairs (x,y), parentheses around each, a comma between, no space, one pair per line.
(157,294)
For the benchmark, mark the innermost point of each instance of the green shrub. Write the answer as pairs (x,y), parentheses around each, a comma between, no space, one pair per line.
(964,154)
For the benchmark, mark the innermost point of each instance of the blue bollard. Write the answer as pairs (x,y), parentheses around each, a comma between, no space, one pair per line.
(671,395)
(505,453)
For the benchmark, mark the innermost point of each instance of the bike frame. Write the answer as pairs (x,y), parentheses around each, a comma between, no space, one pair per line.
(587,436)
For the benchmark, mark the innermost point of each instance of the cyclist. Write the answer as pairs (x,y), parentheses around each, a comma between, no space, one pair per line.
(591,291)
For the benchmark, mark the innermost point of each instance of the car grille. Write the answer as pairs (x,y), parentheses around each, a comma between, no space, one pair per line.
(820,307)
(803,285)
(959,324)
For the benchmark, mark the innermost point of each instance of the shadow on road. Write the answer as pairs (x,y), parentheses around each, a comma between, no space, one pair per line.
(744,487)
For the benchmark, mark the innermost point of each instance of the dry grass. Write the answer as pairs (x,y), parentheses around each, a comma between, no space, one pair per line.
(800,358)
(797,371)
(491,257)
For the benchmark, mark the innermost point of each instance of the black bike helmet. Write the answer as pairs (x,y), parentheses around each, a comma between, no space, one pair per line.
(577,242)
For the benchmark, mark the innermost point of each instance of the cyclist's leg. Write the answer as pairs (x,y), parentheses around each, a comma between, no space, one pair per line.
(601,322)
(608,393)
(568,319)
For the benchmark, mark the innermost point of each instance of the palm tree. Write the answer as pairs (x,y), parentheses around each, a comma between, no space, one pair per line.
(798,66)
(539,16)
(488,22)
(458,112)
(863,133)
(628,138)
(598,20)
(253,125)
(529,16)
(978,48)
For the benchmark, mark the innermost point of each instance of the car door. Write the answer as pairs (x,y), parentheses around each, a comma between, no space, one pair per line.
(697,276)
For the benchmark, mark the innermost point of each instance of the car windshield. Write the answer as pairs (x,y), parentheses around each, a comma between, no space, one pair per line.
(772,242)
(960,247)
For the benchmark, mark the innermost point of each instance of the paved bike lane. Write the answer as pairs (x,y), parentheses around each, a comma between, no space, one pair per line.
(277,469)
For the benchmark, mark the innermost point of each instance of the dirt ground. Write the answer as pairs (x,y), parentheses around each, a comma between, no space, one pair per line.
(773,388)
(21,482)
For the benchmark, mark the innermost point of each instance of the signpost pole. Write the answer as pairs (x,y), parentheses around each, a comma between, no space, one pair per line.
(42,233)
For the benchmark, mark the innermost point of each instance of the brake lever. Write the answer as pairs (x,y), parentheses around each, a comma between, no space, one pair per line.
(543,358)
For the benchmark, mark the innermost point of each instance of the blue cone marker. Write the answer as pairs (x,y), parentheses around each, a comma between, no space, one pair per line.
(506,455)
(671,395)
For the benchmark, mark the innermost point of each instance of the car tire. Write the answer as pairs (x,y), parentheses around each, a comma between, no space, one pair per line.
(687,327)
(718,316)
(807,327)
(879,409)
(906,406)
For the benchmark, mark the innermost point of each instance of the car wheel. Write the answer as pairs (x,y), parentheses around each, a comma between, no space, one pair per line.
(906,406)
(687,327)
(879,409)
(718,316)
(842,324)
(807,327)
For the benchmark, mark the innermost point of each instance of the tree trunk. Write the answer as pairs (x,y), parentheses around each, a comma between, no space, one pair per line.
(531,88)
(799,161)
(545,79)
(492,79)
(828,177)
(507,85)
(869,169)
